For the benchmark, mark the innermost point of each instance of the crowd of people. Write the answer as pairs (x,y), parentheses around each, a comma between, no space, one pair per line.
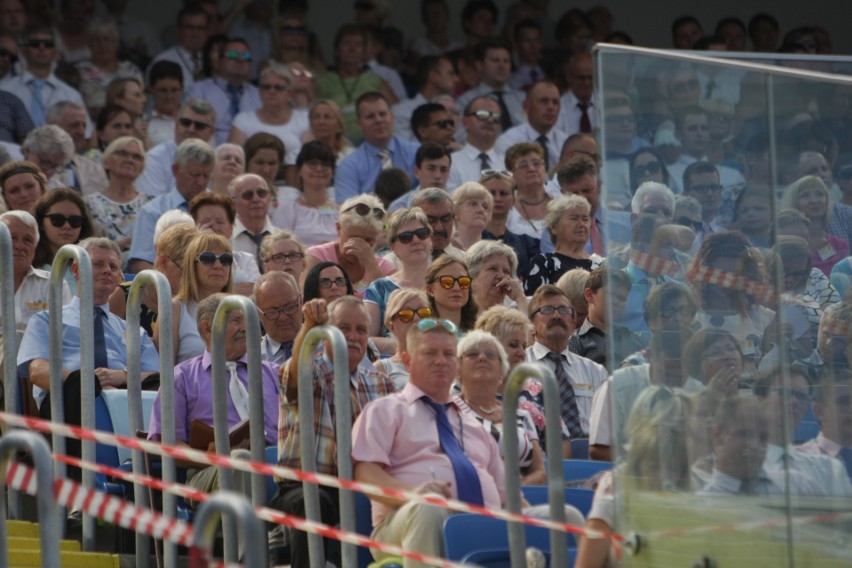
(446,205)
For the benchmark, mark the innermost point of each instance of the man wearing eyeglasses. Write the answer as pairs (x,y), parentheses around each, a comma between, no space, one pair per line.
(37,86)
(418,440)
(349,315)
(251,200)
(701,182)
(578,378)
(481,122)
(279,302)
(435,76)
(230,91)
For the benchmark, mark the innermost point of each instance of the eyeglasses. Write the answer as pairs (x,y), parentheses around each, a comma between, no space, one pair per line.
(58,220)
(446,123)
(408,236)
(318,164)
(529,164)
(488,173)
(406,315)
(130,155)
(648,169)
(292,30)
(802,397)
(209,258)
(275,313)
(283,257)
(339,282)
(446,325)
(363,210)
(301,73)
(687,222)
(198,125)
(276,88)
(490,354)
(447,282)
(443,219)
(244,56)
(248,194)
(705,187)
(34,42)
(484,115)
(550,310)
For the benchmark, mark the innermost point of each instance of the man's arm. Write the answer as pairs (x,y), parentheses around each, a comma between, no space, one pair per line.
(374,473)
(315,314)
(40,373)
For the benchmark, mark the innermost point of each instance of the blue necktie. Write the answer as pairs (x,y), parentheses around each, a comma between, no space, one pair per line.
(38,109)
(234,94)
(845,456)
(100,340)
(467,480)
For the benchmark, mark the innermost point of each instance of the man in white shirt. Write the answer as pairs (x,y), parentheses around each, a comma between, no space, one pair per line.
(252,198)
(542,108)
(577,112)
(481,121)
(578,378)
(193,26)
(528,46)
(37,86)
(435,76)
(494,63)
(80,173)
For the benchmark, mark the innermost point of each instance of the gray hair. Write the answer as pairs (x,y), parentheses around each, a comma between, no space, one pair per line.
(49,140)
(207,308)
(479,337)
(232,185)
(24,218)
(55,110)
(349,218)
(275,278)
(199,106)
(650,188)
(280,235)
(170,219)
(688,203)
(193,150)
(279,70)
(477,254)
(472,190)
(101,243)
(430,195)
(230,146)
(560,206)
(347,301)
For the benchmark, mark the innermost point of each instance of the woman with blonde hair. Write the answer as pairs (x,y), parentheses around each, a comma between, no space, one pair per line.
(410,239)
(207,266)
(448,287)
(406,307)
(472,207)
(359,227)
(327,125)
(284,251)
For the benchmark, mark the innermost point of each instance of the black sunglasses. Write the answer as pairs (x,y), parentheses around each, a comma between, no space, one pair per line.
(186,123)
(408,236)
(446,123)
(58,220)
(248,194)
(209,258)
(363,210)
(649,168)
(46,43)
(687,222)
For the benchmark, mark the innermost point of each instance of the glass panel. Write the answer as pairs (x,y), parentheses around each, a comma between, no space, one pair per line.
(724,193)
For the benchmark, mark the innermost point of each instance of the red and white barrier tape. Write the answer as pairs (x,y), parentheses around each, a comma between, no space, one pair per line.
(106,507)
(264,513)
(189,454)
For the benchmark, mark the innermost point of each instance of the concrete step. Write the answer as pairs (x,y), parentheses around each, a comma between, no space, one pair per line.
(22,543)
(32,558)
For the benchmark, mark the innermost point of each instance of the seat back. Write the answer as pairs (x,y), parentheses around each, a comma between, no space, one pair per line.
(364,526)
(579,470)
(580,449)
(116,406)
(465,533)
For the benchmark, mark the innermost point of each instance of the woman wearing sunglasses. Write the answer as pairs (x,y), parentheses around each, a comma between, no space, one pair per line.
(114,208)
(406,307)
(207,268)
(448,287)
(359,228)
(647,165)
(311,214)
(472,207)
(409,237)
(62,220)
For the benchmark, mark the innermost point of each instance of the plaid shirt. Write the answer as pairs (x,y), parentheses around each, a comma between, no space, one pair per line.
(366,384)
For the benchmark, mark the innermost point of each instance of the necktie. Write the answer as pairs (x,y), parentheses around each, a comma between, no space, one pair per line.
(385,158)
(595,236)
(485,161)
(585,121)
(533,76)
(467,480)
(101,360)
(505,118)
(708,91)
(38,109)
(239,394)
(234,93)
(542,141)
(257,239)
(284,352)
(845,456)
(567,398)
(198,64)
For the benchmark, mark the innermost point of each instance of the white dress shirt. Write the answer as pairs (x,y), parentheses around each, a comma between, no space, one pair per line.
(32,297)
(241,241)
(524,132)
(570,114)
(466,165)
(828,473)
(182,57)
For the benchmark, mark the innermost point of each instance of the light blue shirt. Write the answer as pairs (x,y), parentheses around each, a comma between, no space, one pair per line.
(54,91)
(143,232)
(157,177)
(358,171)
(215,92)
(36,344)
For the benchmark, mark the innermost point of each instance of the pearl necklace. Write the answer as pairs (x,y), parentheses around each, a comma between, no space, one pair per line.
(485,410)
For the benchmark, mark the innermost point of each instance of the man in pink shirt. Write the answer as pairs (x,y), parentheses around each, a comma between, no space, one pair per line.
(415,440)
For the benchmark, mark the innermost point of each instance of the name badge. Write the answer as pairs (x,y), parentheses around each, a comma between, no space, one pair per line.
(826,252)
(36,306)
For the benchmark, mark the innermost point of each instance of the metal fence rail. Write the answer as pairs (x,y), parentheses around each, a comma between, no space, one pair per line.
(10,340)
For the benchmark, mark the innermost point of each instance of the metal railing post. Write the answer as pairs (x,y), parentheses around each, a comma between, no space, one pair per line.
(10,341)
(49,522)
(134,400)
(239,512)
(555,482)
(61,263)
(220,404)
(343,415)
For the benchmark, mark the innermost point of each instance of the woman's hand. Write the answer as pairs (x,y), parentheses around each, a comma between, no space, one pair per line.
(725,381)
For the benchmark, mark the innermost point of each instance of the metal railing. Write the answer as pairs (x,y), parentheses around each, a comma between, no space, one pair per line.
(555,483)
(343,418)
(240,513)
(10,340)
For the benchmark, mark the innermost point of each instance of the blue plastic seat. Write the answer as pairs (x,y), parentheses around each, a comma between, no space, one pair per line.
(580,470)
(580,449)
(364,526)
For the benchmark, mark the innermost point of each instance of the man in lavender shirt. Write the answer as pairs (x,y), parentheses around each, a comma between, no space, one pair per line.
(395,444)
(194,394)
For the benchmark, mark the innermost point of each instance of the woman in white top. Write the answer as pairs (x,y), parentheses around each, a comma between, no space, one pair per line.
(526,162)
(311,215)
(472,207)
